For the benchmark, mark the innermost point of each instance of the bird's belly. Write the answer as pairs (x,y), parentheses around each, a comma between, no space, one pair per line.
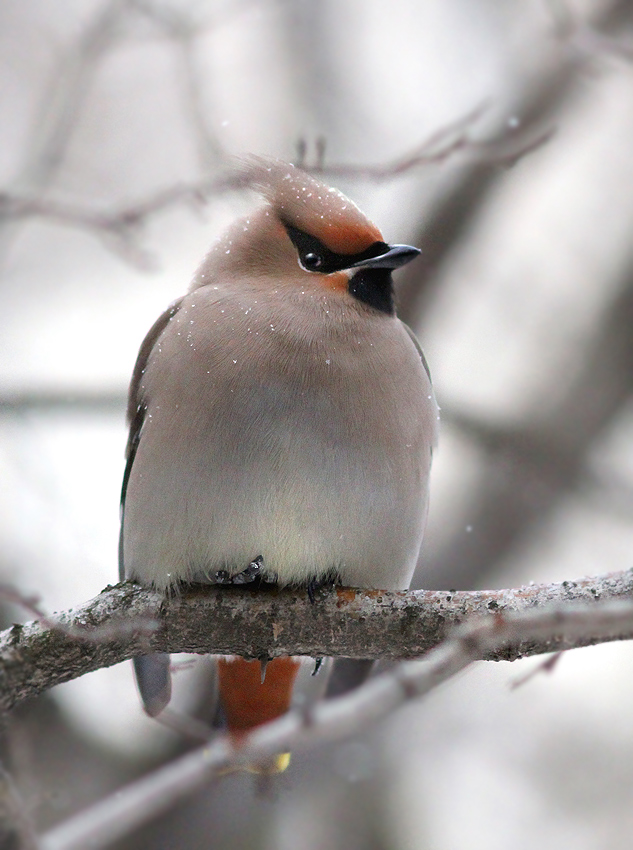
(295,479)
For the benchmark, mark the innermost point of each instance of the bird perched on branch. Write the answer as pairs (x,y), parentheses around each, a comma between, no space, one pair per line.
(281,422)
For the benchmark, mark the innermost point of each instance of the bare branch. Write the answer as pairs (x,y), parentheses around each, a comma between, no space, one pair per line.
(585,39)
(210,151)
(122,226)
(546,666)
(141,801)
(115,628)
(507,149)
(18,403)
(179,26)
(66,95)
(273,622)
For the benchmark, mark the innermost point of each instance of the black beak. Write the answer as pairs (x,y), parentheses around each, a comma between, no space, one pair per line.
(396,256)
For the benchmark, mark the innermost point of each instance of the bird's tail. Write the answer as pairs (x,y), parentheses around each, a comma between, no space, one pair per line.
(250,698)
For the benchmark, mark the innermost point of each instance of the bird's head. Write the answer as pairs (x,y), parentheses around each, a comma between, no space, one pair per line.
(306,233)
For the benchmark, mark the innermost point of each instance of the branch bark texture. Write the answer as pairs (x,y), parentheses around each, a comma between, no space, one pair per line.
(127,620)
(329,720)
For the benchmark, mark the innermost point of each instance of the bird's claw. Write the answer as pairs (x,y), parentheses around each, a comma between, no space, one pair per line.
(222,577)
(246,576)
(326,582)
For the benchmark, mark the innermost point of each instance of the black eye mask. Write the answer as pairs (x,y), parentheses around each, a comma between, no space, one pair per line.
(315,257)
(371,283)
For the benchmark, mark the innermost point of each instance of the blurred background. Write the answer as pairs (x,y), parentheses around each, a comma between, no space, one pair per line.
(117,117)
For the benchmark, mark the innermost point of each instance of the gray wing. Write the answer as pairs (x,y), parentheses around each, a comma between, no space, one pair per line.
(152,671)
(416,342)
(418,348)
(136,408)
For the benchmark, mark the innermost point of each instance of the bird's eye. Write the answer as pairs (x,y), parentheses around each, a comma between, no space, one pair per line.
(312,261)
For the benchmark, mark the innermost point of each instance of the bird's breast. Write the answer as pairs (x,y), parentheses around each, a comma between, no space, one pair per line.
(301,440)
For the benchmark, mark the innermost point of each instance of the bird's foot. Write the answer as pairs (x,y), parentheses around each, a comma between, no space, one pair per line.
(318,663)
(246,576)
(253,572)
(326,582)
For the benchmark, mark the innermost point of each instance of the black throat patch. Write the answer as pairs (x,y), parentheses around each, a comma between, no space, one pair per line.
(374,287)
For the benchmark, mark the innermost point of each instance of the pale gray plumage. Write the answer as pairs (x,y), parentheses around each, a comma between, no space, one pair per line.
(274,413)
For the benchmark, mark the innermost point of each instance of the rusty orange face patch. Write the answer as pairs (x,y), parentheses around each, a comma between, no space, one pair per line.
(300,199)
(338,282)
(347,238)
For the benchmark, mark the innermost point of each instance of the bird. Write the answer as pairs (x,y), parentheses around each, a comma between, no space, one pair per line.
(282,423)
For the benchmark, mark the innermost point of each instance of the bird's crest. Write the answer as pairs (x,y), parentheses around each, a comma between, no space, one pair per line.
(309,205)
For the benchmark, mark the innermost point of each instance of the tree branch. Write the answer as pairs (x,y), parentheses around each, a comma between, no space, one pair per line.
(139,802)
(127,620)
(121,227)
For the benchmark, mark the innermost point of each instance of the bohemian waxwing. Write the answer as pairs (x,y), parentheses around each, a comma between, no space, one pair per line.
(281,422)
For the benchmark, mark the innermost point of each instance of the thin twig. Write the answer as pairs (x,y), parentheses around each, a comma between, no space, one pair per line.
(545,666)
(123,226)
(584,38)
